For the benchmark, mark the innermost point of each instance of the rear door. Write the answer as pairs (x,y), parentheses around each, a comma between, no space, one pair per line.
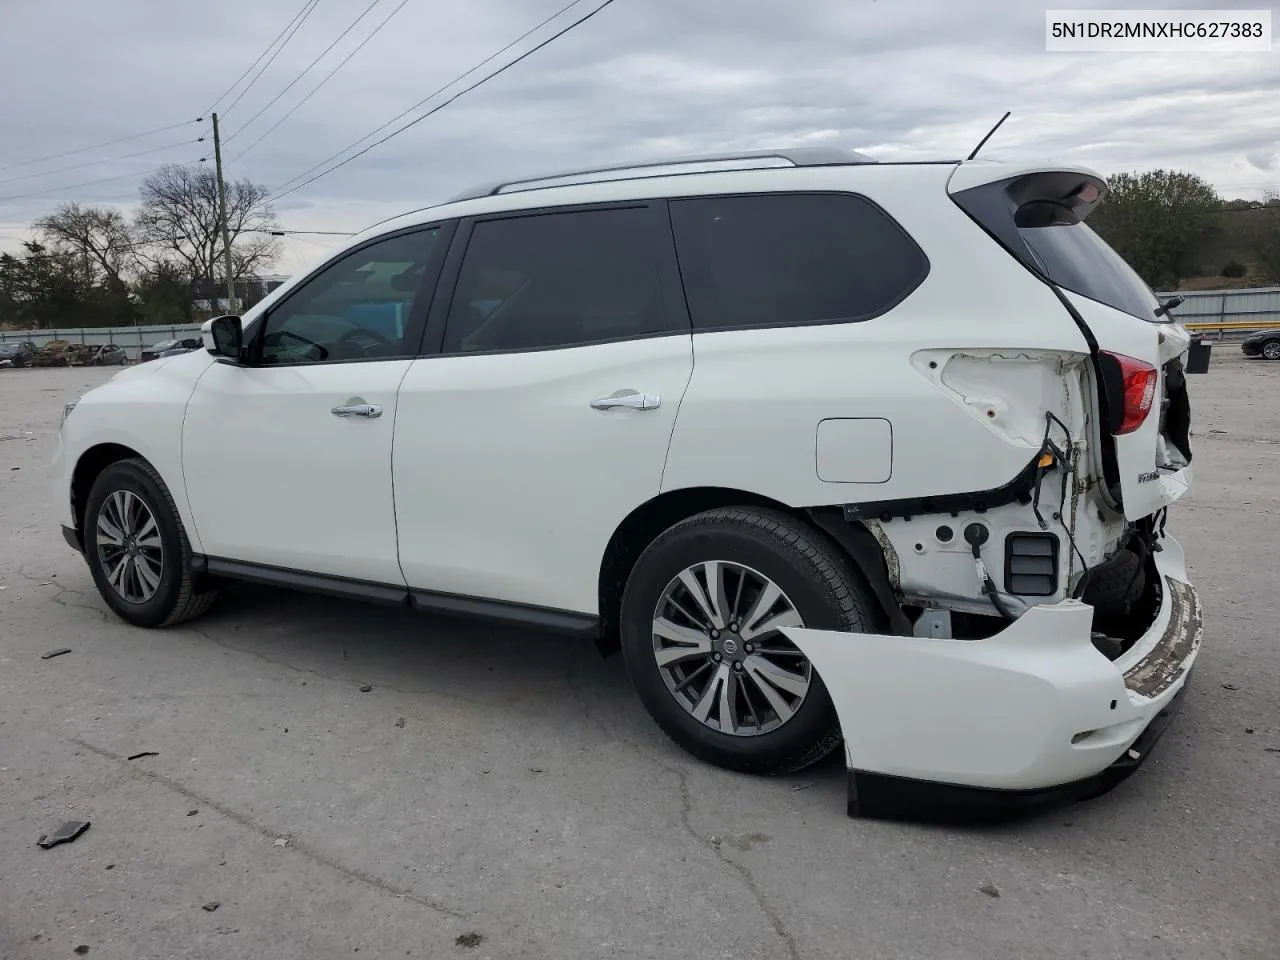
(557,354)
(1039,215)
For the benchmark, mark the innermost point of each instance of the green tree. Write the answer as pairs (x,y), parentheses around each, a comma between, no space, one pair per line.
(1159,221)
(1262,235)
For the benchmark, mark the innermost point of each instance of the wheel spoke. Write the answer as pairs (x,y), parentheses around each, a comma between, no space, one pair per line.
(149,534)
(764,603)
(702,709)
(728,722)
(787,618)
(793,683)
(776,700)
(109,533)
(120,501)
(697,672)
(708,605)
(687,643)
(148,574)
(116,574)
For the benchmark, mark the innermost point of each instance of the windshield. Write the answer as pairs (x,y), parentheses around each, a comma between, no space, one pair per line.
(165,345)
(1074,257)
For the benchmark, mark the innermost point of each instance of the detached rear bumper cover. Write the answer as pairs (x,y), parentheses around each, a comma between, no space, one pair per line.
(1034,707)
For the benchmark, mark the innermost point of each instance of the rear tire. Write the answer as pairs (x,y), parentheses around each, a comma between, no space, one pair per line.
(137,548)
(758,727)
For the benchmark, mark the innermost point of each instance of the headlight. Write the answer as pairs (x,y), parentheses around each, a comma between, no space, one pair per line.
(66,410)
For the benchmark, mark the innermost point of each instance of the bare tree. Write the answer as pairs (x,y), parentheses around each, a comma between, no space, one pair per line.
(178,223)
(99,238)
(1262,234)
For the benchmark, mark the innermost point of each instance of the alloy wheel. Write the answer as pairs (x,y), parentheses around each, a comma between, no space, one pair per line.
(129,546)
(1271,349)
(718,646)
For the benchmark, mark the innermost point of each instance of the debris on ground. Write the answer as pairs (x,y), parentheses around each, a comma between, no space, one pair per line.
(110,866)
(469,940)
(280,842)
(64,834)
(1248,729)
(55,653)
(1229,686)
(144,753)
(535,769)
(715,841)
(192,813)
(1272,749)
(82,949)
(400,723)
(366,688)
(803,786)
(211,906)
(990,889)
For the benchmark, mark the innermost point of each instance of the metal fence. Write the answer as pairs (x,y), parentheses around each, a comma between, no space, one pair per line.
(1228,311)
(131,339)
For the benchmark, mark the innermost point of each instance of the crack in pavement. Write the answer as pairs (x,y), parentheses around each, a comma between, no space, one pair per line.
(686,812)
(298,846)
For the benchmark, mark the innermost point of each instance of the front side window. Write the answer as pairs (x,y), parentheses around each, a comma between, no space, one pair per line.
(557,279)
(779,259)
(357,308)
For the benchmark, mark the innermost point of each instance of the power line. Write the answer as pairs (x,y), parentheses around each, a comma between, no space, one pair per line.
(326,79)
(97,146)
(307,69)
(222,96)
(281,192)
(270,60)
(90,183)
(95,163)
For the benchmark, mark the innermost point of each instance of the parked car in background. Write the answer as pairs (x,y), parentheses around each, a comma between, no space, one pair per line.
(18,353)
(52,354)
(169,348)
(1264,343)
(109,355)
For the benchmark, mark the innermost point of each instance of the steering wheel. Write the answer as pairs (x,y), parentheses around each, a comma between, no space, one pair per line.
(373,340)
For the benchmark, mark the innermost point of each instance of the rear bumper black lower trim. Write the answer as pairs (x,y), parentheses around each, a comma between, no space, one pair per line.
(883,797)
(72,536)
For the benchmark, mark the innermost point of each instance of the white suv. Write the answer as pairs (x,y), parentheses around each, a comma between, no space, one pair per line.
(828,446)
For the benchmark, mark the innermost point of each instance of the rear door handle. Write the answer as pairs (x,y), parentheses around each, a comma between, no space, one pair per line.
(629,398)
(369,410)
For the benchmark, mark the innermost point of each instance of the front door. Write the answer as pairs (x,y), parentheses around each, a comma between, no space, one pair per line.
(287,459)
(562,353)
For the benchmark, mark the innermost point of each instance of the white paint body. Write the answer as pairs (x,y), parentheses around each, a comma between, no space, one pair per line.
(490,476)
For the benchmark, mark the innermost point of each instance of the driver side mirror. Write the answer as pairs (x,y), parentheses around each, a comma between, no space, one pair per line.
(222,337)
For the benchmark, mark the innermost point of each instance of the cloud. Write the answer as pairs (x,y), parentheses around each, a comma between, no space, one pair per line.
(900,79)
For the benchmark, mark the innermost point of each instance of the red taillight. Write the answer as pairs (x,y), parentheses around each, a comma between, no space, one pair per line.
(1138,380)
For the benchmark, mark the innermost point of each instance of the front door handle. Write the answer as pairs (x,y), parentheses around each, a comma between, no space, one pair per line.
(629,398)
(369,410)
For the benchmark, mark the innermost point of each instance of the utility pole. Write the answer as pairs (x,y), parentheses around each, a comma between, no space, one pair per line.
(222,218)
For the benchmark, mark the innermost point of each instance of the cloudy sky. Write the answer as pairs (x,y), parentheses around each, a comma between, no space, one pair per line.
(897,79)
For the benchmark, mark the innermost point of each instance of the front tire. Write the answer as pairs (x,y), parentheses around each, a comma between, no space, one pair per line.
(138,550)
(1271,350)
(700,629)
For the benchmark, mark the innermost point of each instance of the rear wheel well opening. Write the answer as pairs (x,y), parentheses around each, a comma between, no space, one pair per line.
(644,524)
(90,465)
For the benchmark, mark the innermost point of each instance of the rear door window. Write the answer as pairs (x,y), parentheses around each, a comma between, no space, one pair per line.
(558,279)
(764,260)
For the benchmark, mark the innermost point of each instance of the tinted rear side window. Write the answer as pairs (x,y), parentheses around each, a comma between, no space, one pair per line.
(1074,257)
(780,259)
(558,279)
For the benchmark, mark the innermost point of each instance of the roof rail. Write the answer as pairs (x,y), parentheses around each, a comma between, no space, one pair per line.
(795,156)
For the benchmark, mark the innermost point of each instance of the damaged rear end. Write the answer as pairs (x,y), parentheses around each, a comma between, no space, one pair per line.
(1047,626)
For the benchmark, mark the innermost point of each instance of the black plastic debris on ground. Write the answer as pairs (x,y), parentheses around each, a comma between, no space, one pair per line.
(144,753)
(55,653)
(64,834)
(469,940)
(365,688)
(211,906)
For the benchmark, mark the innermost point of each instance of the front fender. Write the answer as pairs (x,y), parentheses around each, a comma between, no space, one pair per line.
(141,408)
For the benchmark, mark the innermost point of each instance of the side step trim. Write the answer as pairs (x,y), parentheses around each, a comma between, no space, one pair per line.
(550,620)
